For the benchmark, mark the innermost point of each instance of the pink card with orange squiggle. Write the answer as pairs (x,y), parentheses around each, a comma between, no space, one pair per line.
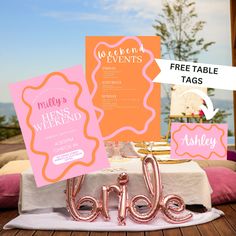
(59,126)
(119,72)
(199,141)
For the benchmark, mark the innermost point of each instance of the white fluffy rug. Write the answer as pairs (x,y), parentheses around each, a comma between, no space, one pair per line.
(62,221)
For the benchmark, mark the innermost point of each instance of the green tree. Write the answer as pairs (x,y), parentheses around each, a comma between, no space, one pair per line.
(3,133)
(179,28)
(9,128)
(13,121)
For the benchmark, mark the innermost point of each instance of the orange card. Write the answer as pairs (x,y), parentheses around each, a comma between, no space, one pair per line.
(119,72)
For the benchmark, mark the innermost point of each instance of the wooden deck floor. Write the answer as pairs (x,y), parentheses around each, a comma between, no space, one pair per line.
(224,226)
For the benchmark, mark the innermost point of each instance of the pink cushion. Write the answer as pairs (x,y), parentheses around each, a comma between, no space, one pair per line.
(223,183)
(9,190)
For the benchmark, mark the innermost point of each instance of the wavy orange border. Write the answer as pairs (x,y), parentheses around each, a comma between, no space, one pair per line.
(49,76)
(199,155)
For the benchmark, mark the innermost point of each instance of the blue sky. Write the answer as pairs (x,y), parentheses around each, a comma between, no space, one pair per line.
(40,36)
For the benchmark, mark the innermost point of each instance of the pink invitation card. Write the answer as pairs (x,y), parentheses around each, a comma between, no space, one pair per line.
(59,126)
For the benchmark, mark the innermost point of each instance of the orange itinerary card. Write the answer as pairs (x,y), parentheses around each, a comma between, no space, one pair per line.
(119,72)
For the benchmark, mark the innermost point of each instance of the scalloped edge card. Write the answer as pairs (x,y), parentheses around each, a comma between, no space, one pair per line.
(59,126)
(119,72)
(199,141)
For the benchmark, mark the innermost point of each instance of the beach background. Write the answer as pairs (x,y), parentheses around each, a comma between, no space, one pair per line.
(38,37)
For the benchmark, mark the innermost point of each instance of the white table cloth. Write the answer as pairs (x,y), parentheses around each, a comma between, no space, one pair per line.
(187,180)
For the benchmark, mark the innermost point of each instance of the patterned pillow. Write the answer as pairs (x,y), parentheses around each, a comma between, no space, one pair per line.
(12,156)
(15,167)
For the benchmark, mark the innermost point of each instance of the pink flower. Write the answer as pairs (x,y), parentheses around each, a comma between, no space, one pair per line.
(201,113)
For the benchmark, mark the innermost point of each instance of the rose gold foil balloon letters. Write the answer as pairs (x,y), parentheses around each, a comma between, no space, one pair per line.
(172,206)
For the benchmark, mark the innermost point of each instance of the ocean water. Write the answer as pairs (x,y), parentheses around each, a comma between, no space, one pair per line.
(231,140)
